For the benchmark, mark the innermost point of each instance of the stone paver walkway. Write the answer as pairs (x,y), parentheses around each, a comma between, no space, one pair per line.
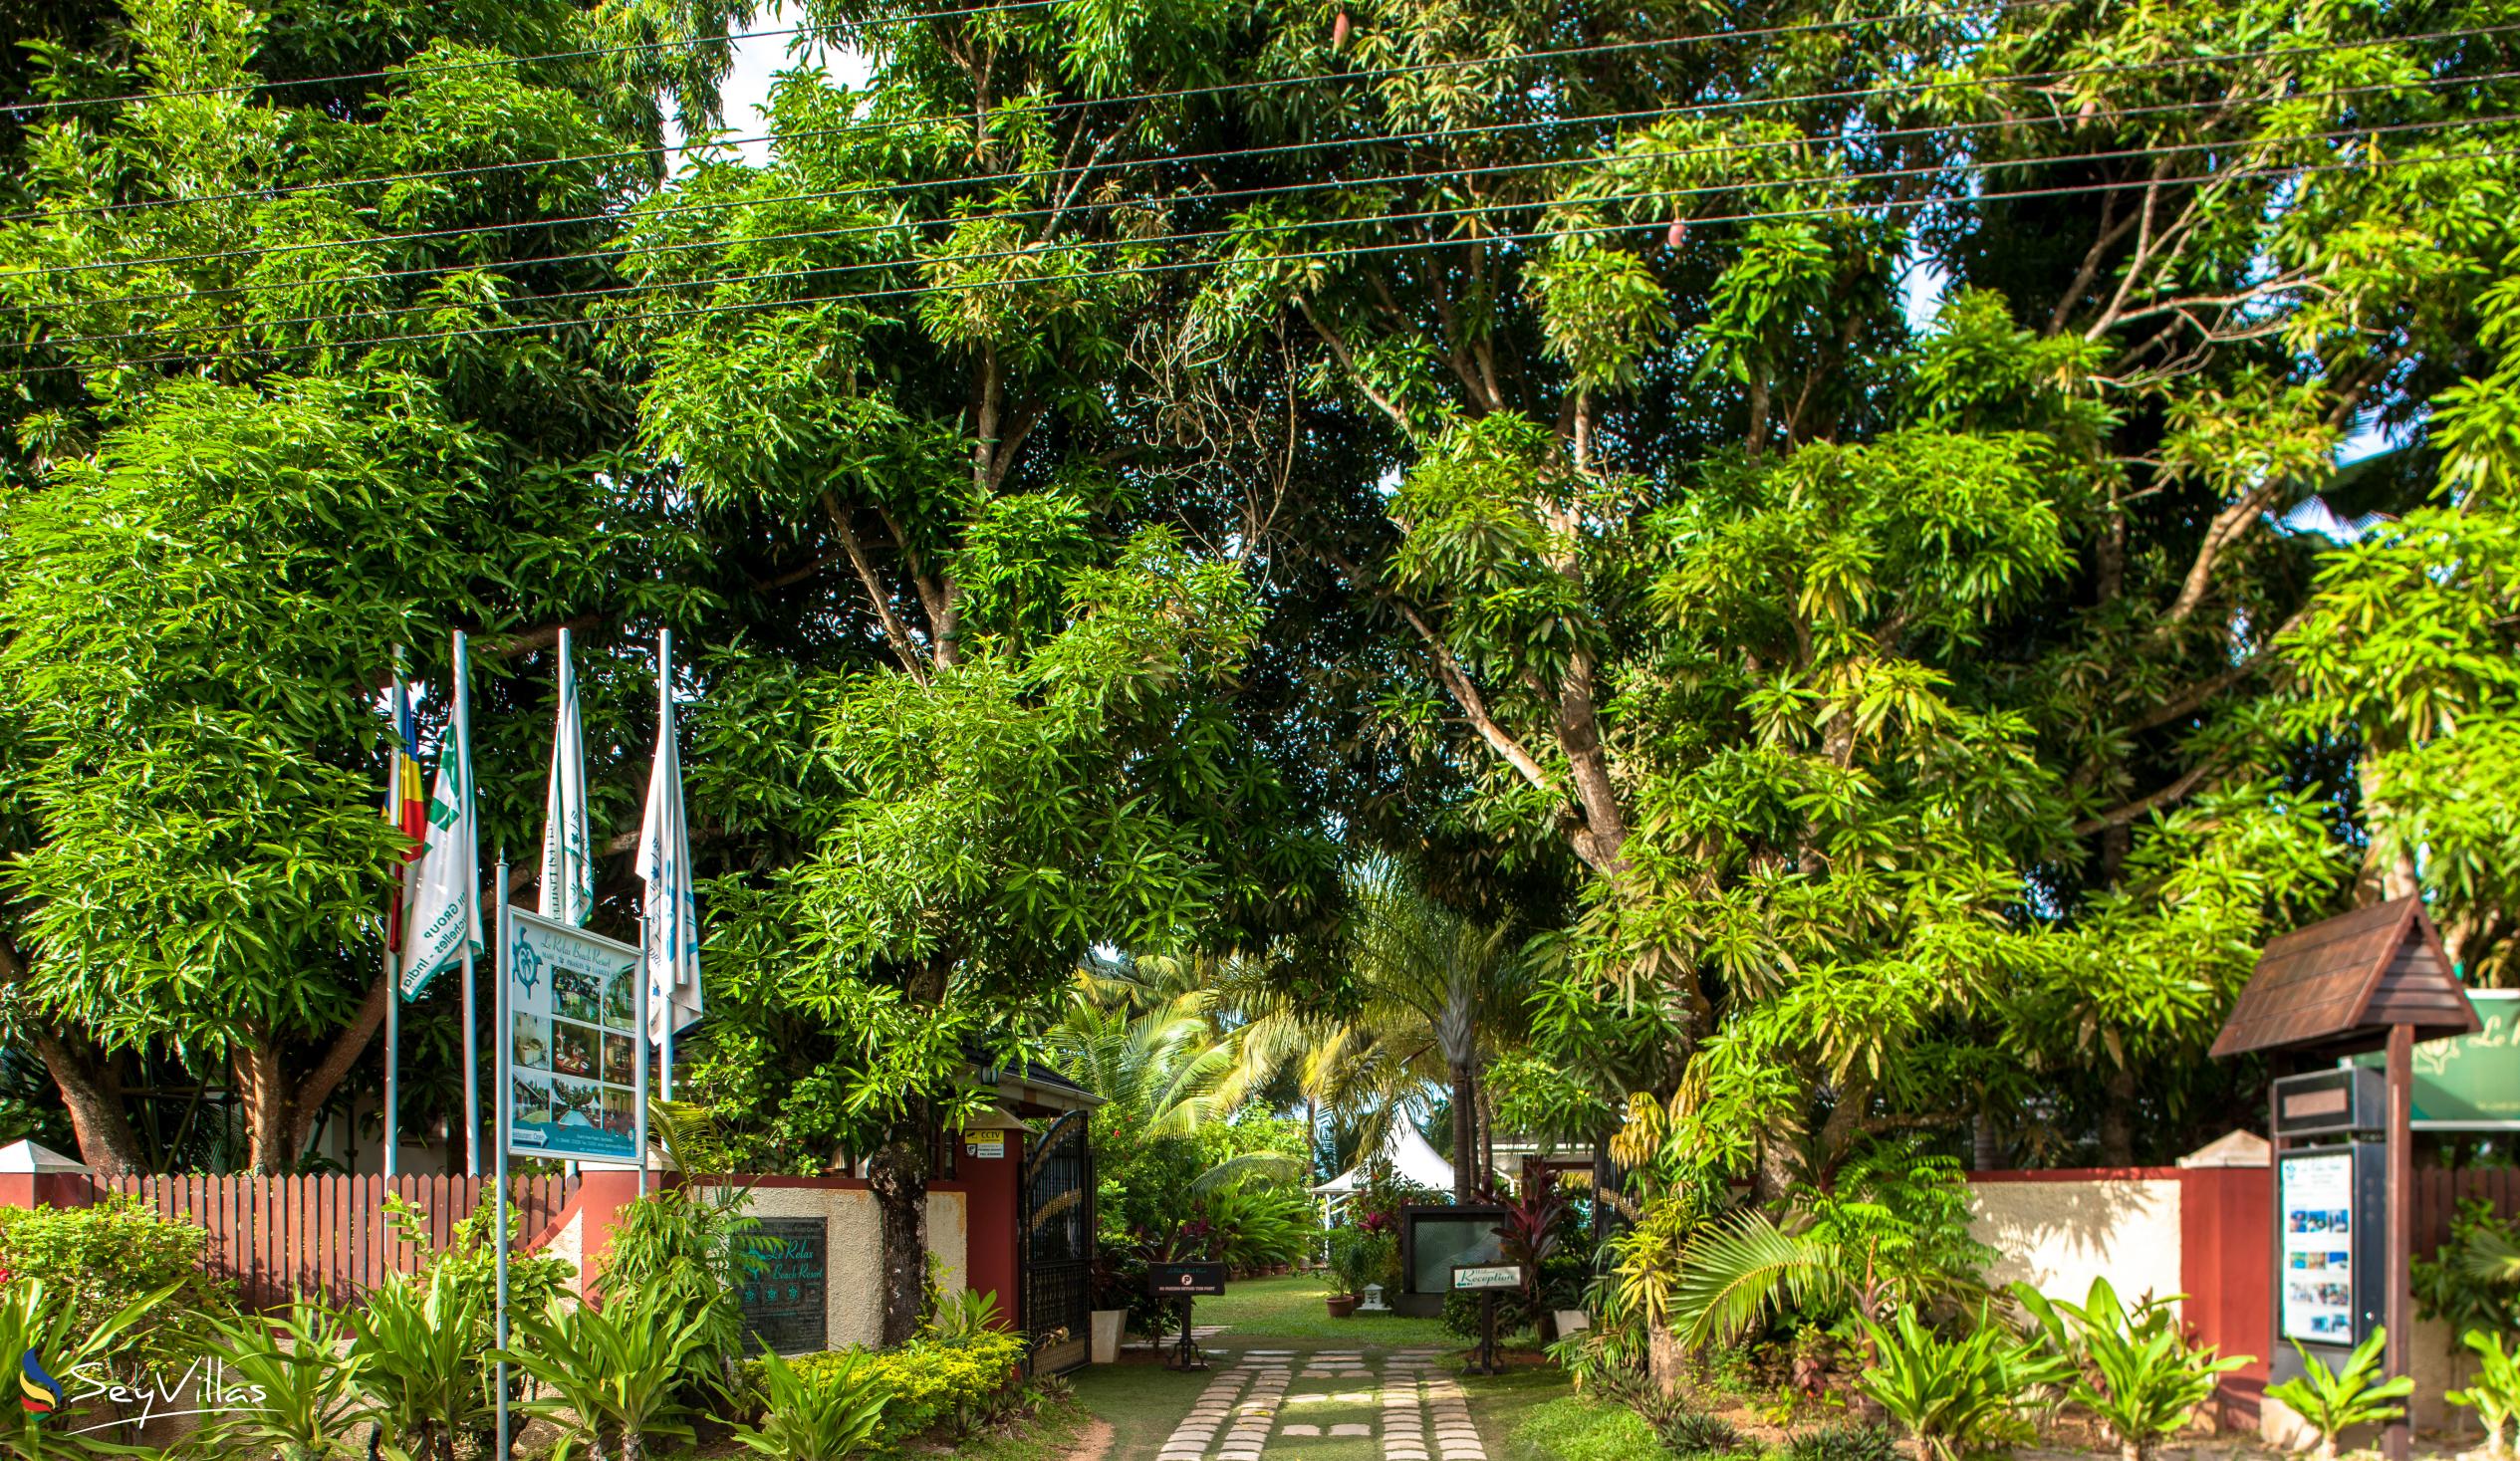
(1247,1412)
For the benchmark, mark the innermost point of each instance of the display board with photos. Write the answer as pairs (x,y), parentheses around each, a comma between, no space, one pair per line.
(2316,1203)
(572,1041)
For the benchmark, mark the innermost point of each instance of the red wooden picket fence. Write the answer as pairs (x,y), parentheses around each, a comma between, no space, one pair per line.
(2439,1192)
(277,1238)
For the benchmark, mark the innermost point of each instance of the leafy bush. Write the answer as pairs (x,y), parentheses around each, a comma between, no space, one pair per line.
(100,1258)
(610,1376)
(1845,1442)
(2335,1402)
(1958,1397)
(309,1385)
(969,1312)
(2135,1369)
(1253,1227)
(2472,1281)
(2496,1393)
(834,1412)
(1358,1258)
(928,1381)
(419,1350)
(689,1251)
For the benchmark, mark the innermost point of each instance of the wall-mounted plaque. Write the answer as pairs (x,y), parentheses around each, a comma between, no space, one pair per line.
(786,1307)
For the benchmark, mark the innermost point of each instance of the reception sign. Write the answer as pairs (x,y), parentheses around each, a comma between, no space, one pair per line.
(572,1043)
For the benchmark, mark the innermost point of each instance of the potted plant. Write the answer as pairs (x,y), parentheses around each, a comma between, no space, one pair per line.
(1120,1276)
(1356,1259)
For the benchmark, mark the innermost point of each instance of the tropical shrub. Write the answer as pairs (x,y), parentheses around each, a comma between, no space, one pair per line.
(2472,1281)
(928,1381)
(690,1249)
(1958,1397)
(1843,1442)
(2335,1402)
(963,1316)
(2496,1393)
(2135,1369)
(1254,1226)
(422,1375)
(100,1258)
(307,1375)
(1696,1433)
(609,1376)
(1357,1258)
(1892,1230)
(833,1412)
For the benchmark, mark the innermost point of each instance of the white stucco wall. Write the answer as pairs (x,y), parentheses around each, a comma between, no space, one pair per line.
(853,1294)
(2058,1236)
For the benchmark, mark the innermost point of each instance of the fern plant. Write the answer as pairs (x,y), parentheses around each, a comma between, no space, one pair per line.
(2138,1373)
(2496,1393)
(2335,1402)
(836,1412)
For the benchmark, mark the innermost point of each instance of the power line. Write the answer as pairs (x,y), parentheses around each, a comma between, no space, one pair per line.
(1276,190)
(1690,110)
(1120,271)
(1222,88)
(396,72)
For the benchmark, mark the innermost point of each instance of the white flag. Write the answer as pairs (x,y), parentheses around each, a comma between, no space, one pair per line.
(664,862)
(445,913)
(568,868)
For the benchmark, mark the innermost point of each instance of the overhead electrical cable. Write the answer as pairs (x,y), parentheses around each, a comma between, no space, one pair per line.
(1698,109)
(1117,271)
(1665,156)
(396,72)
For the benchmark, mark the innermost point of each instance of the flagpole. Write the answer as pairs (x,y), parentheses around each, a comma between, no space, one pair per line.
(472,914)
(398,707)
(639,1080)
(673,913)
(498,1011)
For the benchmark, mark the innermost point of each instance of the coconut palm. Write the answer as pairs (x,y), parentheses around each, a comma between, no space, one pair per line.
(1437,993)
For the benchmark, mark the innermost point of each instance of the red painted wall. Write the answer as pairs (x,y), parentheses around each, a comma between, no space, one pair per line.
(989,1189)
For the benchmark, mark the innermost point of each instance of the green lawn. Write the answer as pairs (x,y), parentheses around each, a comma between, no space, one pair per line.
(1142,1401)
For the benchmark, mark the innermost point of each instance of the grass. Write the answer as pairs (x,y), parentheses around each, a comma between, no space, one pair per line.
(1578,1428)
(1290,1309)
(1044,1436)
(1142,1401)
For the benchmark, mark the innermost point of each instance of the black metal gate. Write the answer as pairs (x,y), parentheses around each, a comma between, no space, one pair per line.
(1057,1217)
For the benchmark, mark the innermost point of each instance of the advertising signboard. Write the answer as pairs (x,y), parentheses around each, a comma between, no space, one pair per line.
(2318,1221)
(573,1045)
(2470,1083)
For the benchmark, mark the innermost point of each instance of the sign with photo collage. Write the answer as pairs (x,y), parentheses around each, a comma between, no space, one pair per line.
(572,1041)
(2316,1230)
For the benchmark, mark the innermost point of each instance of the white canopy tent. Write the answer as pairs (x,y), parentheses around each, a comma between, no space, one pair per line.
(1410,1158)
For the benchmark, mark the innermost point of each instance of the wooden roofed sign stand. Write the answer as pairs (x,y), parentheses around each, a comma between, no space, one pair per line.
(2377,978)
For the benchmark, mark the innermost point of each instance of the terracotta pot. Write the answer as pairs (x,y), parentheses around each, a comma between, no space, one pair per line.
(1342,1305)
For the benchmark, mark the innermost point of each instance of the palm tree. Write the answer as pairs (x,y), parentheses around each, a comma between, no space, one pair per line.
(1437,993)
(1159,1062)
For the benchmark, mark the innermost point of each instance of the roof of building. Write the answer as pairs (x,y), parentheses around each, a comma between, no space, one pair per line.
(2337,985)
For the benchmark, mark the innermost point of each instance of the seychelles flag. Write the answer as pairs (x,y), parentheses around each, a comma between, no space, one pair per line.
(406,808)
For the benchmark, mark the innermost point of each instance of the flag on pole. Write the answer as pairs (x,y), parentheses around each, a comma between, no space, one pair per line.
(444,919)
(665,863)
(568,868)
(406,808)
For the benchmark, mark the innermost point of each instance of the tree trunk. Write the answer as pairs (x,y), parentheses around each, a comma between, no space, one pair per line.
(306,1099)
(899,1174)
(264,1089)
(92,1091)
(2117,1119)
(1465,1145)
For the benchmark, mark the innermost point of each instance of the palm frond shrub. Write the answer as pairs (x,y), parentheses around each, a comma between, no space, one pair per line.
(307,1376)
(832,1413)
(2334,1401)
(1955,1397)
(2135,1368)
(608,1376)
(2496,1393)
